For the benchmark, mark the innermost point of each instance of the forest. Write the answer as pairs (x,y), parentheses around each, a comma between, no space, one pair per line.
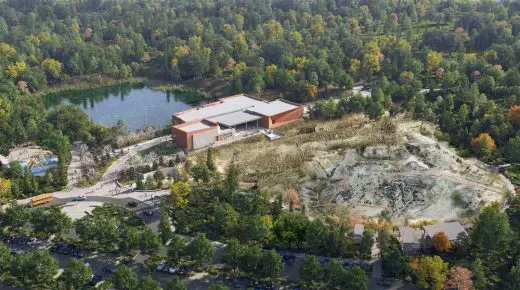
(451,62)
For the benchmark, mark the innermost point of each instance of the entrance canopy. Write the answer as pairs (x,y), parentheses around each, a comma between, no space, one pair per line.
(234,119)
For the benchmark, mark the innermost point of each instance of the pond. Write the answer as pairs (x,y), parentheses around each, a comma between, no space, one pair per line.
(139,106)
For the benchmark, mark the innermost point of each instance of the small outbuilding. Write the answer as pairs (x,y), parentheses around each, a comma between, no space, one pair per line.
(359,229)
(411,239)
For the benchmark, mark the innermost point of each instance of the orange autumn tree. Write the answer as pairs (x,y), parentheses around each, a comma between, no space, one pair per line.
(514,114)
(292,198)
(441,243)
(483,145)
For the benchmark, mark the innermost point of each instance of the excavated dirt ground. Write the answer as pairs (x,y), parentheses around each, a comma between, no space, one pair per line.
(391,167)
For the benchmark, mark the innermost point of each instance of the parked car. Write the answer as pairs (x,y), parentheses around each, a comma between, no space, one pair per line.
(110,269)
(148,212)
(132,204)
(161,265)
(16,251)
(79,198)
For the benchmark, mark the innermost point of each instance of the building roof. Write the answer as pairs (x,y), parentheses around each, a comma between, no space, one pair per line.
(452,230)
(273,108)
(196,126)
(221,107)
(410,235)
(359,229)
(236,118)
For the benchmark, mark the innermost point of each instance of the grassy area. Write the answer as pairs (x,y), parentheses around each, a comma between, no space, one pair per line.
(163,149)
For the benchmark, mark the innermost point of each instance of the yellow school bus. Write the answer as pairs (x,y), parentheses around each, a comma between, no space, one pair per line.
(40,199)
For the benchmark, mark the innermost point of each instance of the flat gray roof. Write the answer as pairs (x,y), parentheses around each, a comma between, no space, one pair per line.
(236,118)
(410,235)
(273,108)
(196,126)
(359,229)
(452,230)
(224,106)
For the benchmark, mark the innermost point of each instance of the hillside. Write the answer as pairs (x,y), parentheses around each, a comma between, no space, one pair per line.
(393,167)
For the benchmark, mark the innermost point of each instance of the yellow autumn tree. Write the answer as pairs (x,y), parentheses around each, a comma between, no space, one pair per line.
(271,69)
(433,59)
(179,194)
(483,145)
(5,190)
(7,50)
(273,29)
(354,65)
(14,70)
(52,66)
(301,62)
(371,61)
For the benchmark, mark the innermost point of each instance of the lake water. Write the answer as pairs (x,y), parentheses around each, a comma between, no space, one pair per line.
(139,106)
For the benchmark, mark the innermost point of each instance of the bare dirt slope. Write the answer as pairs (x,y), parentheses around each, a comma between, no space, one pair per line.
(393,167)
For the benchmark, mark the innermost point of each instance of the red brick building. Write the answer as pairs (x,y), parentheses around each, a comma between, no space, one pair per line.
(202,126)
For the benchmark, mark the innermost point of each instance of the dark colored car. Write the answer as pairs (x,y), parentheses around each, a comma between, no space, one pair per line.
(109,270)
(148,212)
(132,204)
(95,279)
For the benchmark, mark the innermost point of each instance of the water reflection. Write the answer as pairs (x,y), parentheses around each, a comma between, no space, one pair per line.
(139,106)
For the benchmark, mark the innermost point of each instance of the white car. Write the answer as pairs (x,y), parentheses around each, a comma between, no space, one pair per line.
(79,198)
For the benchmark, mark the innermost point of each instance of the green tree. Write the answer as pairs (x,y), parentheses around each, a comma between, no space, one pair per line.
(270,265)
(226,218)
(51,220)
(290,228)
(479,275)
(431,273)
(512,150)
(17,216)
(176,283)
(209,160)
(76,275)
(356,279)
(176,249)
(492,230)
(367,241)
(201,172)
(230,184)
(125,278)
(5,258)
(148,283)
(252,228)
(150,242)
(165,230)
(311,270)
(34,270)
(335,275)
(513,279)
(218,287)
(200,249)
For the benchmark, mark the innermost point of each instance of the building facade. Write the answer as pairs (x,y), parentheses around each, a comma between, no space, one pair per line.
(200,127)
